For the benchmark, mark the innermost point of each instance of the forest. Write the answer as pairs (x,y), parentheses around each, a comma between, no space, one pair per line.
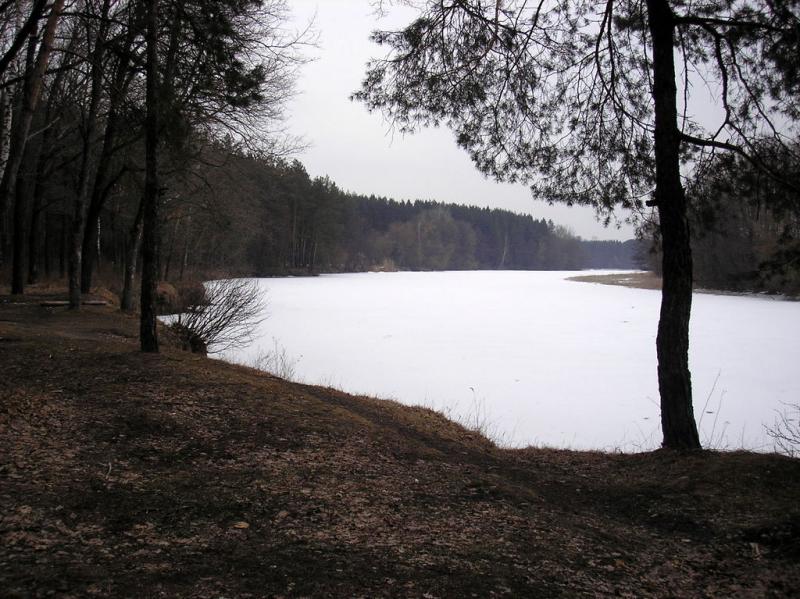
(107,111)
(746,227)
(74,108)
(260,217)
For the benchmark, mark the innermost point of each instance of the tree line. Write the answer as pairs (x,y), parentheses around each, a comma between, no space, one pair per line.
(302,224)
(143,135)
(256,216)
(106,108)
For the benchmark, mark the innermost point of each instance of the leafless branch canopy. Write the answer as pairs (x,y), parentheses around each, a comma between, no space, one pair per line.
(786,431)
(227,320)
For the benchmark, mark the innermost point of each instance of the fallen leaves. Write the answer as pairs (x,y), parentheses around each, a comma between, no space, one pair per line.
(187,477)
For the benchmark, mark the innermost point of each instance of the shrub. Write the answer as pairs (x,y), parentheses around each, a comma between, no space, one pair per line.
(786,431)
(166,298)
(191,293)
(225,316)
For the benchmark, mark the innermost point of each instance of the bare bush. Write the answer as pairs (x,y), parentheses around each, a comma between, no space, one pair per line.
(786,430)
(276,361)
(227,318)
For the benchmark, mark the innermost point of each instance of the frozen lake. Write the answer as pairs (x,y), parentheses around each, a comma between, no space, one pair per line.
(537,359)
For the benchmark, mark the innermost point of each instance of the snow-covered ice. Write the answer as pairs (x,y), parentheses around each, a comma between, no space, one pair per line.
(539,359)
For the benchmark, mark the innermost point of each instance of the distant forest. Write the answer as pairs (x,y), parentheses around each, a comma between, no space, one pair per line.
(250,216)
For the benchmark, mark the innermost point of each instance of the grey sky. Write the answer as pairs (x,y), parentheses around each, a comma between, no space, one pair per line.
(360,153)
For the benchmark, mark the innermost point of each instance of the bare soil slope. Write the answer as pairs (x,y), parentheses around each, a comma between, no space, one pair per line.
(131,475)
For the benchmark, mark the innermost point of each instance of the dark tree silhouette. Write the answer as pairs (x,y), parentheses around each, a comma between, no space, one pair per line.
(585,102)
(148,336)
(38,57)
(34,13)
(746,226)
(225,66)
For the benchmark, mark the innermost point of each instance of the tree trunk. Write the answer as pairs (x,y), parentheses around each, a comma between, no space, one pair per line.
(35,235)
(672,343)
(64,243)
(32,87)
(132,256)
(88,254)
(37,211)
(6,106)
(9,187)
(39,225)
(171,248)
(100,189)
(91,236)
(147,324)
(19,262)
(185,257)
(5,125)
(37,10)
(82,197)
(47,242)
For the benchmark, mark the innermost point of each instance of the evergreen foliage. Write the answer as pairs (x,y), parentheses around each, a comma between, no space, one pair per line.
(746,226)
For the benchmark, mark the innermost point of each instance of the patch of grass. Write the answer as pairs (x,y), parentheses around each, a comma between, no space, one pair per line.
(635,279)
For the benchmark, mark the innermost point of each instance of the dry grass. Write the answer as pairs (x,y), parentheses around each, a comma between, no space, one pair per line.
(638,280)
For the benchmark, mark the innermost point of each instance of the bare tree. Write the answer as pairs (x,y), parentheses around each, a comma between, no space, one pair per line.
(232,310)
(83,192)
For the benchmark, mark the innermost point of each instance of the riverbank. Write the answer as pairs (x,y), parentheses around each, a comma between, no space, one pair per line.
(635,279)
(129,475)
(649,280)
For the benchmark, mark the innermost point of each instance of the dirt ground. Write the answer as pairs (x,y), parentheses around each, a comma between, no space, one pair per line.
(132,475)
(649,280)
(639,280)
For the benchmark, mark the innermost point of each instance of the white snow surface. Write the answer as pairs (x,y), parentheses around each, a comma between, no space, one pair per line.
(532,358)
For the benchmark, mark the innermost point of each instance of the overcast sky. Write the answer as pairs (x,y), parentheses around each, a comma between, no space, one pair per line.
(358,150)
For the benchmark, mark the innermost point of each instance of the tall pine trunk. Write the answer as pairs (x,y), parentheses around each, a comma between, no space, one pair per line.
(672,342)
(131,258)
(150,238)
(6,107)
(37,229)
(22,202)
